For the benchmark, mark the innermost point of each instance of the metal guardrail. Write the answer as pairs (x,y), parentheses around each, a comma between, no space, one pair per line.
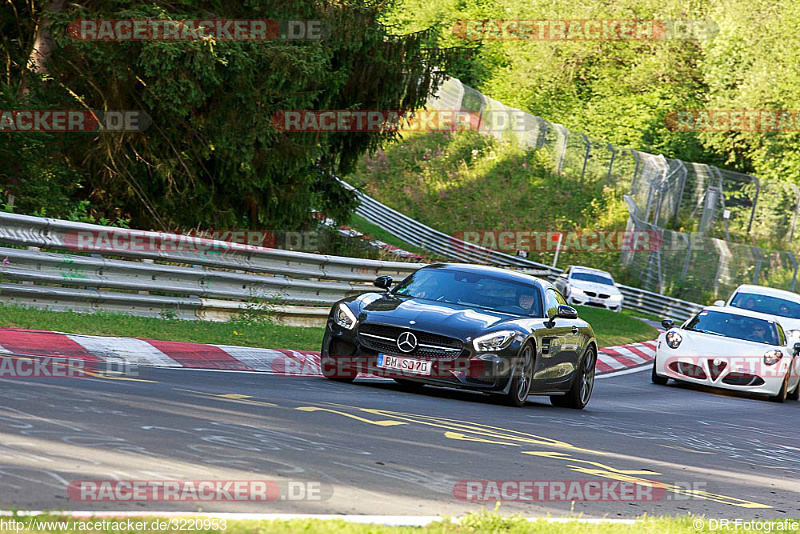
(224,279)
(439,243)
(215,280)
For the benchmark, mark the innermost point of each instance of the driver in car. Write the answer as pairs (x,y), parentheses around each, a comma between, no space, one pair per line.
(758,332)
(526,301)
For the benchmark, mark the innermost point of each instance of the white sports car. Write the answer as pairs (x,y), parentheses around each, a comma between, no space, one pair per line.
(730,348)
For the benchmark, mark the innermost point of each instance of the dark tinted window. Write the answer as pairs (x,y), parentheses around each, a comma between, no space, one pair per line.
(735,326)
(765,304)
(591,277)
(471,289)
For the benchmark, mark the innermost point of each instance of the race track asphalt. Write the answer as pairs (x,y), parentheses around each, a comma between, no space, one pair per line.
(382,450)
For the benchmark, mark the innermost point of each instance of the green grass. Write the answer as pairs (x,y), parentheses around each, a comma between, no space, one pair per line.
(249,333)
(616,328)
(472,523)
(468,182)
(359,223)
(610,328)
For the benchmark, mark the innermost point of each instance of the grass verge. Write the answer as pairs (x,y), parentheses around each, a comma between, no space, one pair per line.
(484,522)
(616,328)
(611,328)
(248,333)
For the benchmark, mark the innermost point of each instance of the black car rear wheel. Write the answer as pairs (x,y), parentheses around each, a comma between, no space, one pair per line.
(523,376)
(582,387)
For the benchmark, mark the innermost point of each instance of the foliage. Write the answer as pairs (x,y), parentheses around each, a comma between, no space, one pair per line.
(211,158)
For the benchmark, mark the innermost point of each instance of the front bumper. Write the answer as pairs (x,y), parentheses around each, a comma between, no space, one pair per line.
(343,355)
(747,374)
(596,302)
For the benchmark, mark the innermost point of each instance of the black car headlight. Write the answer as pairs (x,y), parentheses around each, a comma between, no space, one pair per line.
(494,341)
(344,317)
(673,339)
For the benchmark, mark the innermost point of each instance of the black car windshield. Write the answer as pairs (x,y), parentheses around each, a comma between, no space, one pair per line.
(472,289)
(765,304)
(734,326)
(595,278)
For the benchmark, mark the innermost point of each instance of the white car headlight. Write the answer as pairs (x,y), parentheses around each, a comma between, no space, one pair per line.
(617,298)
(673,339)
(577,290)
(344,317)
(771,357)
(494,341)
(793,334)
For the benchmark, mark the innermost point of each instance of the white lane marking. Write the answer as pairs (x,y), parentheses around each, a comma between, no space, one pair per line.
(389,520)
(624,351)
(609,360)
(255,358)
(126,349)
(4,350)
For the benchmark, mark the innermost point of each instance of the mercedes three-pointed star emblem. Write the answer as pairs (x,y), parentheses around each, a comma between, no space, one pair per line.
(406,342)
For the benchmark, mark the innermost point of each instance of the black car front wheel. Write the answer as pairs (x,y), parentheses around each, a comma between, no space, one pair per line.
(581,390)
(521,381)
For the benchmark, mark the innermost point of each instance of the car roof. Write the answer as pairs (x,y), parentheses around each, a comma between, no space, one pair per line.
(768,291)
(495,271)
(741,311)
(580,268)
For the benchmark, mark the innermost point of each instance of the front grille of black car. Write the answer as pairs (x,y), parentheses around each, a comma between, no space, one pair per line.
(383,338)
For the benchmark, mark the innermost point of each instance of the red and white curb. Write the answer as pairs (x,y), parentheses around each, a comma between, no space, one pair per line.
(178,354)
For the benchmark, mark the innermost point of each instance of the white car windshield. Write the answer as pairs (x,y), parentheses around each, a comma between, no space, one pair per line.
(766,304)
(734,326)
(591,277)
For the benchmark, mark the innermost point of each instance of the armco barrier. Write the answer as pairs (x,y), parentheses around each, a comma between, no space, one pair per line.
(222,280)
(441,244)
(227,278)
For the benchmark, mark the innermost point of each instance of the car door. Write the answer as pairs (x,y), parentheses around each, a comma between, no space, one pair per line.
(555,355)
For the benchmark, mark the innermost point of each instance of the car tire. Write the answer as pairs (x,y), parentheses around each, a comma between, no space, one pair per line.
(657,378)
(782,394)
(521,381)
(409,385)
(794,395)
(328,368)
(580,392)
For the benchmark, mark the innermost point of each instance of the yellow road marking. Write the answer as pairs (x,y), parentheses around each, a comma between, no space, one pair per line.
(349,415)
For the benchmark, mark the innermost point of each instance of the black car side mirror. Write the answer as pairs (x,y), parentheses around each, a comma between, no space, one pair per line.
(383,282)
(667,324)
(797,348)
(566,312)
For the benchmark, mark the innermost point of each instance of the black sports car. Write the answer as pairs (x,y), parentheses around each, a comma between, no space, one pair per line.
(465,326)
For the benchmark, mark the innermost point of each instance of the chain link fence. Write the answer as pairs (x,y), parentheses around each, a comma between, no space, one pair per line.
(710,219)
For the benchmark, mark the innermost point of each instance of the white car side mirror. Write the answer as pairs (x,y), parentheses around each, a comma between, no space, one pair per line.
(719,303)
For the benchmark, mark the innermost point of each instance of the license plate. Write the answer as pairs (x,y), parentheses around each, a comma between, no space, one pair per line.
(408,365)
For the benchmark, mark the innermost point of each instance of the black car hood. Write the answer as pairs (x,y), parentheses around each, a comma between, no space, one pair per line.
(430,316)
